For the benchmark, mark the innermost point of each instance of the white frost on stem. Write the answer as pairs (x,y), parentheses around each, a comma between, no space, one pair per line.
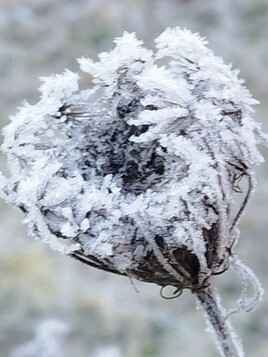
(226,340)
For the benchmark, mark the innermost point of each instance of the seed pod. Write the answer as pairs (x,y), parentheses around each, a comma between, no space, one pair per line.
(137,174)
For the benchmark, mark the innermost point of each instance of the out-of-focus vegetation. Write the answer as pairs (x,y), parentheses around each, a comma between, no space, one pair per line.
(104,313)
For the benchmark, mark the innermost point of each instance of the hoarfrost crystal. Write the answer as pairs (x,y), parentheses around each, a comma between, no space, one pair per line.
(137,174)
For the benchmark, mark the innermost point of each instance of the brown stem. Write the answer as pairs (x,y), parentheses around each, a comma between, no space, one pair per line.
(227,343)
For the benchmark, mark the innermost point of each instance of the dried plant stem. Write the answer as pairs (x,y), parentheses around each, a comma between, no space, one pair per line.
(227,343)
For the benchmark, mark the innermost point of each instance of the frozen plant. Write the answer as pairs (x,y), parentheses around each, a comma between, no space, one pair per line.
(137,174)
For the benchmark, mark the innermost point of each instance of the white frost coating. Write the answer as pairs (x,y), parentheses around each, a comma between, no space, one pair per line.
(60,86)
(137,175)
(225,338)
(150,149)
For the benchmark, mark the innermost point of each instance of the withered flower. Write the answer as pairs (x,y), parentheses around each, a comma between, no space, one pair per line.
(137,174)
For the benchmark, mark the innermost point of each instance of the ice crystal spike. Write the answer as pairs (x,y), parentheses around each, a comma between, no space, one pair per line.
(137,174)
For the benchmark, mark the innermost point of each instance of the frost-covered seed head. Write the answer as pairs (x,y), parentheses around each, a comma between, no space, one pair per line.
(137,174)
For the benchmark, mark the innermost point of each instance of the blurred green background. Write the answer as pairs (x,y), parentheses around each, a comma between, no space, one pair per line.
(105,315)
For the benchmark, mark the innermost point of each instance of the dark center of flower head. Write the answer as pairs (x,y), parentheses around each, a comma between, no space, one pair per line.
(110,150)
(139,165)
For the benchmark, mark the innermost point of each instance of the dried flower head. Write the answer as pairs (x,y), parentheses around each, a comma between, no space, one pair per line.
(137,175)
